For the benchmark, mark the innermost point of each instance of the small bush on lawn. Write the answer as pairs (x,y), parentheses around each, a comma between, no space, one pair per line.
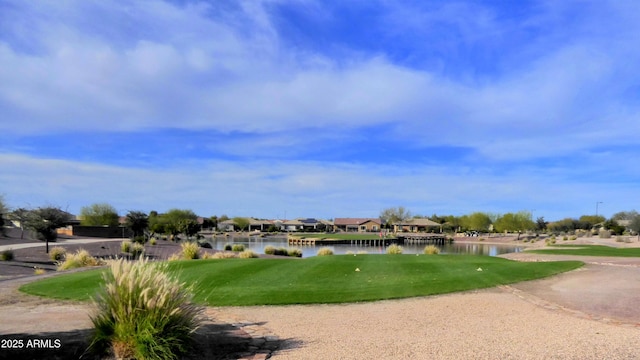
(57,253)
(269,250)
(190,250)
(237,247)
(143,313)
(394,249)
(6,255)
(80,258)
(431,250)
(224,255)
(324,251)
(281,252)
(125,246)
(294,252)
(247,254)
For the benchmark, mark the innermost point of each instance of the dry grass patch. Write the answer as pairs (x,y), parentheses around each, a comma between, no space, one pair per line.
(57,253)
(394,249)
(80,258)
(325,251)
(431,250)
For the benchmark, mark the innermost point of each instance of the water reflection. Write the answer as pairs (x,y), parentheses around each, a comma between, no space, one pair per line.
(258,244)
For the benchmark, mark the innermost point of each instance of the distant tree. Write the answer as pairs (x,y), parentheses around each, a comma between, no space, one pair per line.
(477,221)
(171,222)
(587,222)
(99,214)
(512,222)
(138,222)
(614,227)
(625,215)
(189,227)
(394,215)
(222,218)
(45,220)
(4,210)
(541,225)
(241,222)
(214,222)
(564,225)
(20,216)
(635,225)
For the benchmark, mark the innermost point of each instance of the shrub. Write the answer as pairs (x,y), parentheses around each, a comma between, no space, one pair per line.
(324,251)
(224,255)
(281,252)
(394,249)
(143,313)
(431,250)
(57,253)
(228,247)
(269,250)
(38,271)
(80,258)
(153,241)
(294,252)
(6,255)
(190,250)
(573,237)
(247,254)
(136,250)
(565,238)
(604,234)
(237,247)
(125,246)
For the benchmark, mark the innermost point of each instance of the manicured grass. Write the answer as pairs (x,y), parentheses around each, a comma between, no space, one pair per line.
(591,250)
(324,279)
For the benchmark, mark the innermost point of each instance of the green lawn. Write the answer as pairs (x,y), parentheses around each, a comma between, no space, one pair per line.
(590,250)
(323,279)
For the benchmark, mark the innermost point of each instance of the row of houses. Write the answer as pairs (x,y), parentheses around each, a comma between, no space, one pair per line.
(337,225)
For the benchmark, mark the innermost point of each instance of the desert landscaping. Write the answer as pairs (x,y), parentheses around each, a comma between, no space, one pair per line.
(589,313)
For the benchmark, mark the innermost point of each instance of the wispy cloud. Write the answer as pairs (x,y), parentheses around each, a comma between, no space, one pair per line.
(295,95)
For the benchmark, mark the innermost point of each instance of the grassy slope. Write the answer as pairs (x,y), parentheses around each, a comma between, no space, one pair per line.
(328,279)
(591,250)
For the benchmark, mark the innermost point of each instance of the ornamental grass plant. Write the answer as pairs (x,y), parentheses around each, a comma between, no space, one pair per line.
(394,249)
(142,312)
(247,254)
(6,255)
(57,253)
(80,258)
(324,251)
(431,250)
(190,250)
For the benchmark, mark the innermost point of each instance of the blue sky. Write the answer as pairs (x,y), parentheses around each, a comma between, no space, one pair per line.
(303,108)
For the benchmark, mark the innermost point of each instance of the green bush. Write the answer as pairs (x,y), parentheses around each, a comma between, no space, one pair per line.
(190,250)
(325,251)
(269,250)
(431,250)
(228,247)
(294,252)
(153,241)
(394,249)
(57,253)
(6,255)
(143,313)
(237,247)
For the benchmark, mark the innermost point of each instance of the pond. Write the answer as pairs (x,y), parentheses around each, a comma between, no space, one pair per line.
(258,245)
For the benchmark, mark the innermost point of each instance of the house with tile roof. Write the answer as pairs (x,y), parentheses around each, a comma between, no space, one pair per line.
(357,224)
